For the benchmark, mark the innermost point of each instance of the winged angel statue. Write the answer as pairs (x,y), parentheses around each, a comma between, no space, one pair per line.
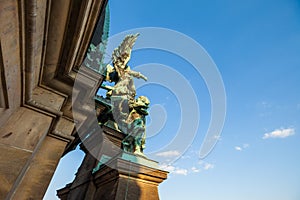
(128,113)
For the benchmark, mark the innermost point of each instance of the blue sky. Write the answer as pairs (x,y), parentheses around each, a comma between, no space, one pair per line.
(255,45)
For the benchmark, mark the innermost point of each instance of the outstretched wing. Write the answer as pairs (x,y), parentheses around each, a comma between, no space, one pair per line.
(125,47)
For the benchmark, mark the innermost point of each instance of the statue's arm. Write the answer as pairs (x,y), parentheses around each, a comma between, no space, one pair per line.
(109,69)
(137,75)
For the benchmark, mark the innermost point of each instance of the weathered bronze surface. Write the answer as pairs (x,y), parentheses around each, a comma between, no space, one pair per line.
(127,112)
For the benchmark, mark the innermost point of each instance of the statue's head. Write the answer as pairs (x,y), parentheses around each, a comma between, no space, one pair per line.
(141,105)
(143,101)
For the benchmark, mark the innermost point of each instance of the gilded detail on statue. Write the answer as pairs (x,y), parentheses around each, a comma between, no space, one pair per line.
(127,112)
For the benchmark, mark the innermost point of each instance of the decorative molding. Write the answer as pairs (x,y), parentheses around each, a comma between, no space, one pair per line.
(3,89)
(89,15)
(36,85)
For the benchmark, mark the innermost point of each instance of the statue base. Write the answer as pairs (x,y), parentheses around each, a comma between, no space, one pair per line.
(128,176)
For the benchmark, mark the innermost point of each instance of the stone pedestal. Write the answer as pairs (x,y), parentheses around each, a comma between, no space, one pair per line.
(130,177)
(113,174)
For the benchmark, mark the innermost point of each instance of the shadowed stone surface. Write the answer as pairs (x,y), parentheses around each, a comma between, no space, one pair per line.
(42,44)
(123,179)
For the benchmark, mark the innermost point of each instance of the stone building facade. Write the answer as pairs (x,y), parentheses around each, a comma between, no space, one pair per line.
(42,45)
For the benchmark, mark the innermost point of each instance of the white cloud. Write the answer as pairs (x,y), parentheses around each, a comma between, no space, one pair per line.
(238,148)
(203,166)
(180,171)
(168,154)
(168,168)
(208,166)
(266,104)
(217,137)
(195,170)
(241,148)
(279,133)
(174,170)
(201,162)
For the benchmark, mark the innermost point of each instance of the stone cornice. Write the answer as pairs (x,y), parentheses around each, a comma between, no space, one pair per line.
(63,47)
